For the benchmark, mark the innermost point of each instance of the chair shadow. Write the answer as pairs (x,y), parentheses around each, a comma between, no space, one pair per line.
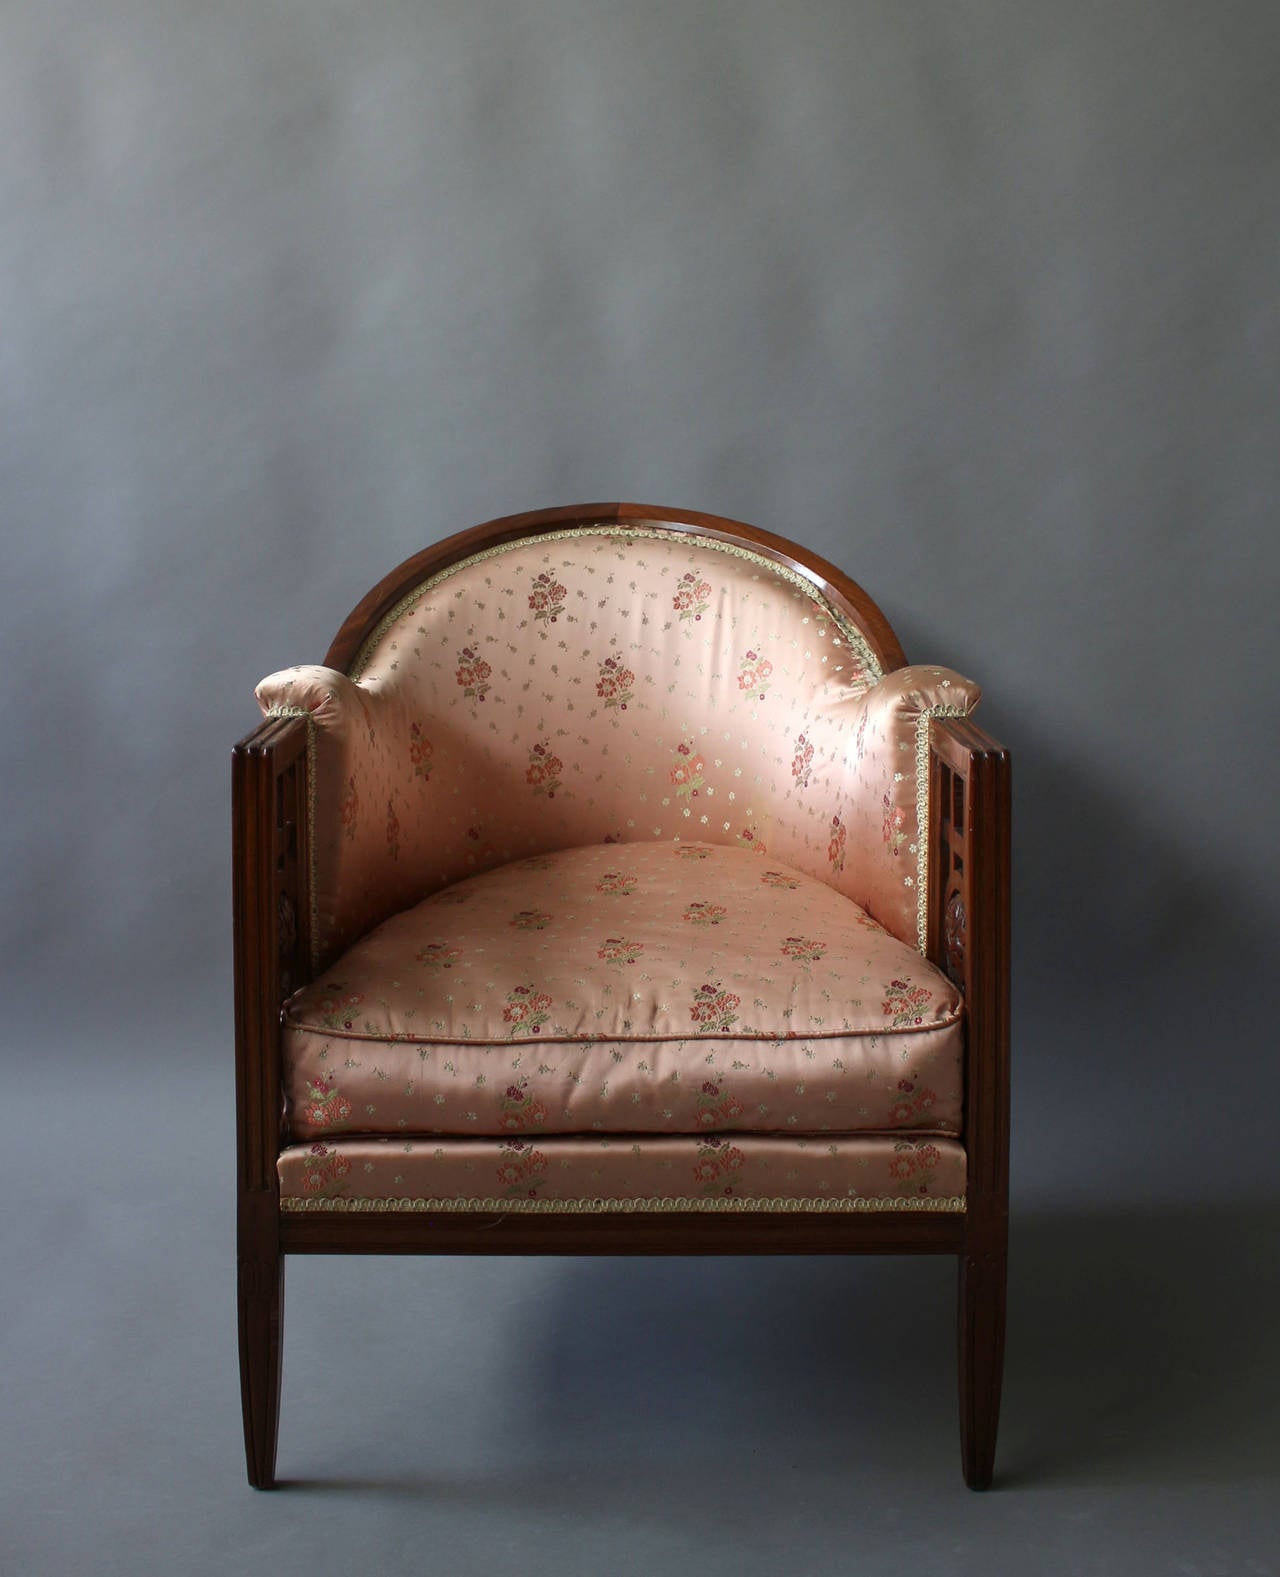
(1141,1350)
(1142,1347)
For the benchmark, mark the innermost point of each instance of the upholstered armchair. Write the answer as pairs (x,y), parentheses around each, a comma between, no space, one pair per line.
(616,887)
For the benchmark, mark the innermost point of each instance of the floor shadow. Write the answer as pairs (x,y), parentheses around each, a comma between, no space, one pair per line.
(1141,1351)
(1142,1346)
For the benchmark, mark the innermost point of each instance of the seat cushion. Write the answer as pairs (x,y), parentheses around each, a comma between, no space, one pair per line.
(580,1174)
(668,988)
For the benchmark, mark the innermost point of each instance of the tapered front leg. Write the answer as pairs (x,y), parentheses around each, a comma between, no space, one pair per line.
(261,1297)
(982,1310)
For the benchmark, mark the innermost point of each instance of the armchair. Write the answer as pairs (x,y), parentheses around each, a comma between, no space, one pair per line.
(617,887)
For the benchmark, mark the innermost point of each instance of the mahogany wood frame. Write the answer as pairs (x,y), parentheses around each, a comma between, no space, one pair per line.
(968,913)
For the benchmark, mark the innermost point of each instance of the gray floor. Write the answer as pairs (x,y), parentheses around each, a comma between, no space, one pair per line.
(614,1416)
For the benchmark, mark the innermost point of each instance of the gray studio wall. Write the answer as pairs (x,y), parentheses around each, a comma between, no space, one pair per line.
(976,297)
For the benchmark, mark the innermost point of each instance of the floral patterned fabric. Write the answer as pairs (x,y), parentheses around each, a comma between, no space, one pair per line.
(617,685)
(734,1172)
(636,988)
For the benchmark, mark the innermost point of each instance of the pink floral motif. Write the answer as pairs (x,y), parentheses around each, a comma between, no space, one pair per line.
(703,913)
(803,950)
(754,672)
(324,1107)
(691,598)
(527,1010)
(617,883)
(717,1165)
(325,1170)
(617,950)
(914,1161)
(614,684)
(420,751)
(544,769)
(335,1007)
(867,923)
(480,850)
(472,674)
(855,671)
(436,956)
(712,1008)
(686,774)
(546,600)
(903,1003)
(911,1099)
(521,1170)
(393,830)
(779,879)
(820,614)
(836,845)
(705,1170)
(749,838)
(349,808)
(716,1108)
(895,825)
(530,920)
(802,762)
(691,851)
(521,1112)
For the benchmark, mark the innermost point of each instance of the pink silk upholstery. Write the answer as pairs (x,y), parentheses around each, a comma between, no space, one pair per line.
(637,988)
(612,685)
(737,1172)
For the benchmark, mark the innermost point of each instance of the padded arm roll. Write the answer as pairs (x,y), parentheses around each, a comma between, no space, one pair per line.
(885,811)
(368,764)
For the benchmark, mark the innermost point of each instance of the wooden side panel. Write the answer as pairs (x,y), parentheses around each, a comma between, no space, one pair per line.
(969,923)
(969,934)
(271,916)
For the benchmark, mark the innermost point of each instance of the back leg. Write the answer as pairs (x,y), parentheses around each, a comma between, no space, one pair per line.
(982,1314)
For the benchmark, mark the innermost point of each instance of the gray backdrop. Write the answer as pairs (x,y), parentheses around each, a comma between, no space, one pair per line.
(978,299)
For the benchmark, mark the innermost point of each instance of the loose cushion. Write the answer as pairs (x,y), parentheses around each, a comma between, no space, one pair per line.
(661,988)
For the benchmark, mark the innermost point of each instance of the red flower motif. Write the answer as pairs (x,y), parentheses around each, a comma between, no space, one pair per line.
(420,751)
(836,845)
(802,762)
(895,825)
(472,674)
(613,685)
(544,769)
(690,600)
(754,674)
(546,600)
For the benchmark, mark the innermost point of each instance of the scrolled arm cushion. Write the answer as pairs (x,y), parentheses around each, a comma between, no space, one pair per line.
(880,835)
(368,840)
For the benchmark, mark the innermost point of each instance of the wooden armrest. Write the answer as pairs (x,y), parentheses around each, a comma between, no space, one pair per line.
(272,924)
(968,930)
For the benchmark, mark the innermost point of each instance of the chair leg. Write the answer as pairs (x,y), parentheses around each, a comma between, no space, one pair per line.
(982,1308)
(261,1300)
